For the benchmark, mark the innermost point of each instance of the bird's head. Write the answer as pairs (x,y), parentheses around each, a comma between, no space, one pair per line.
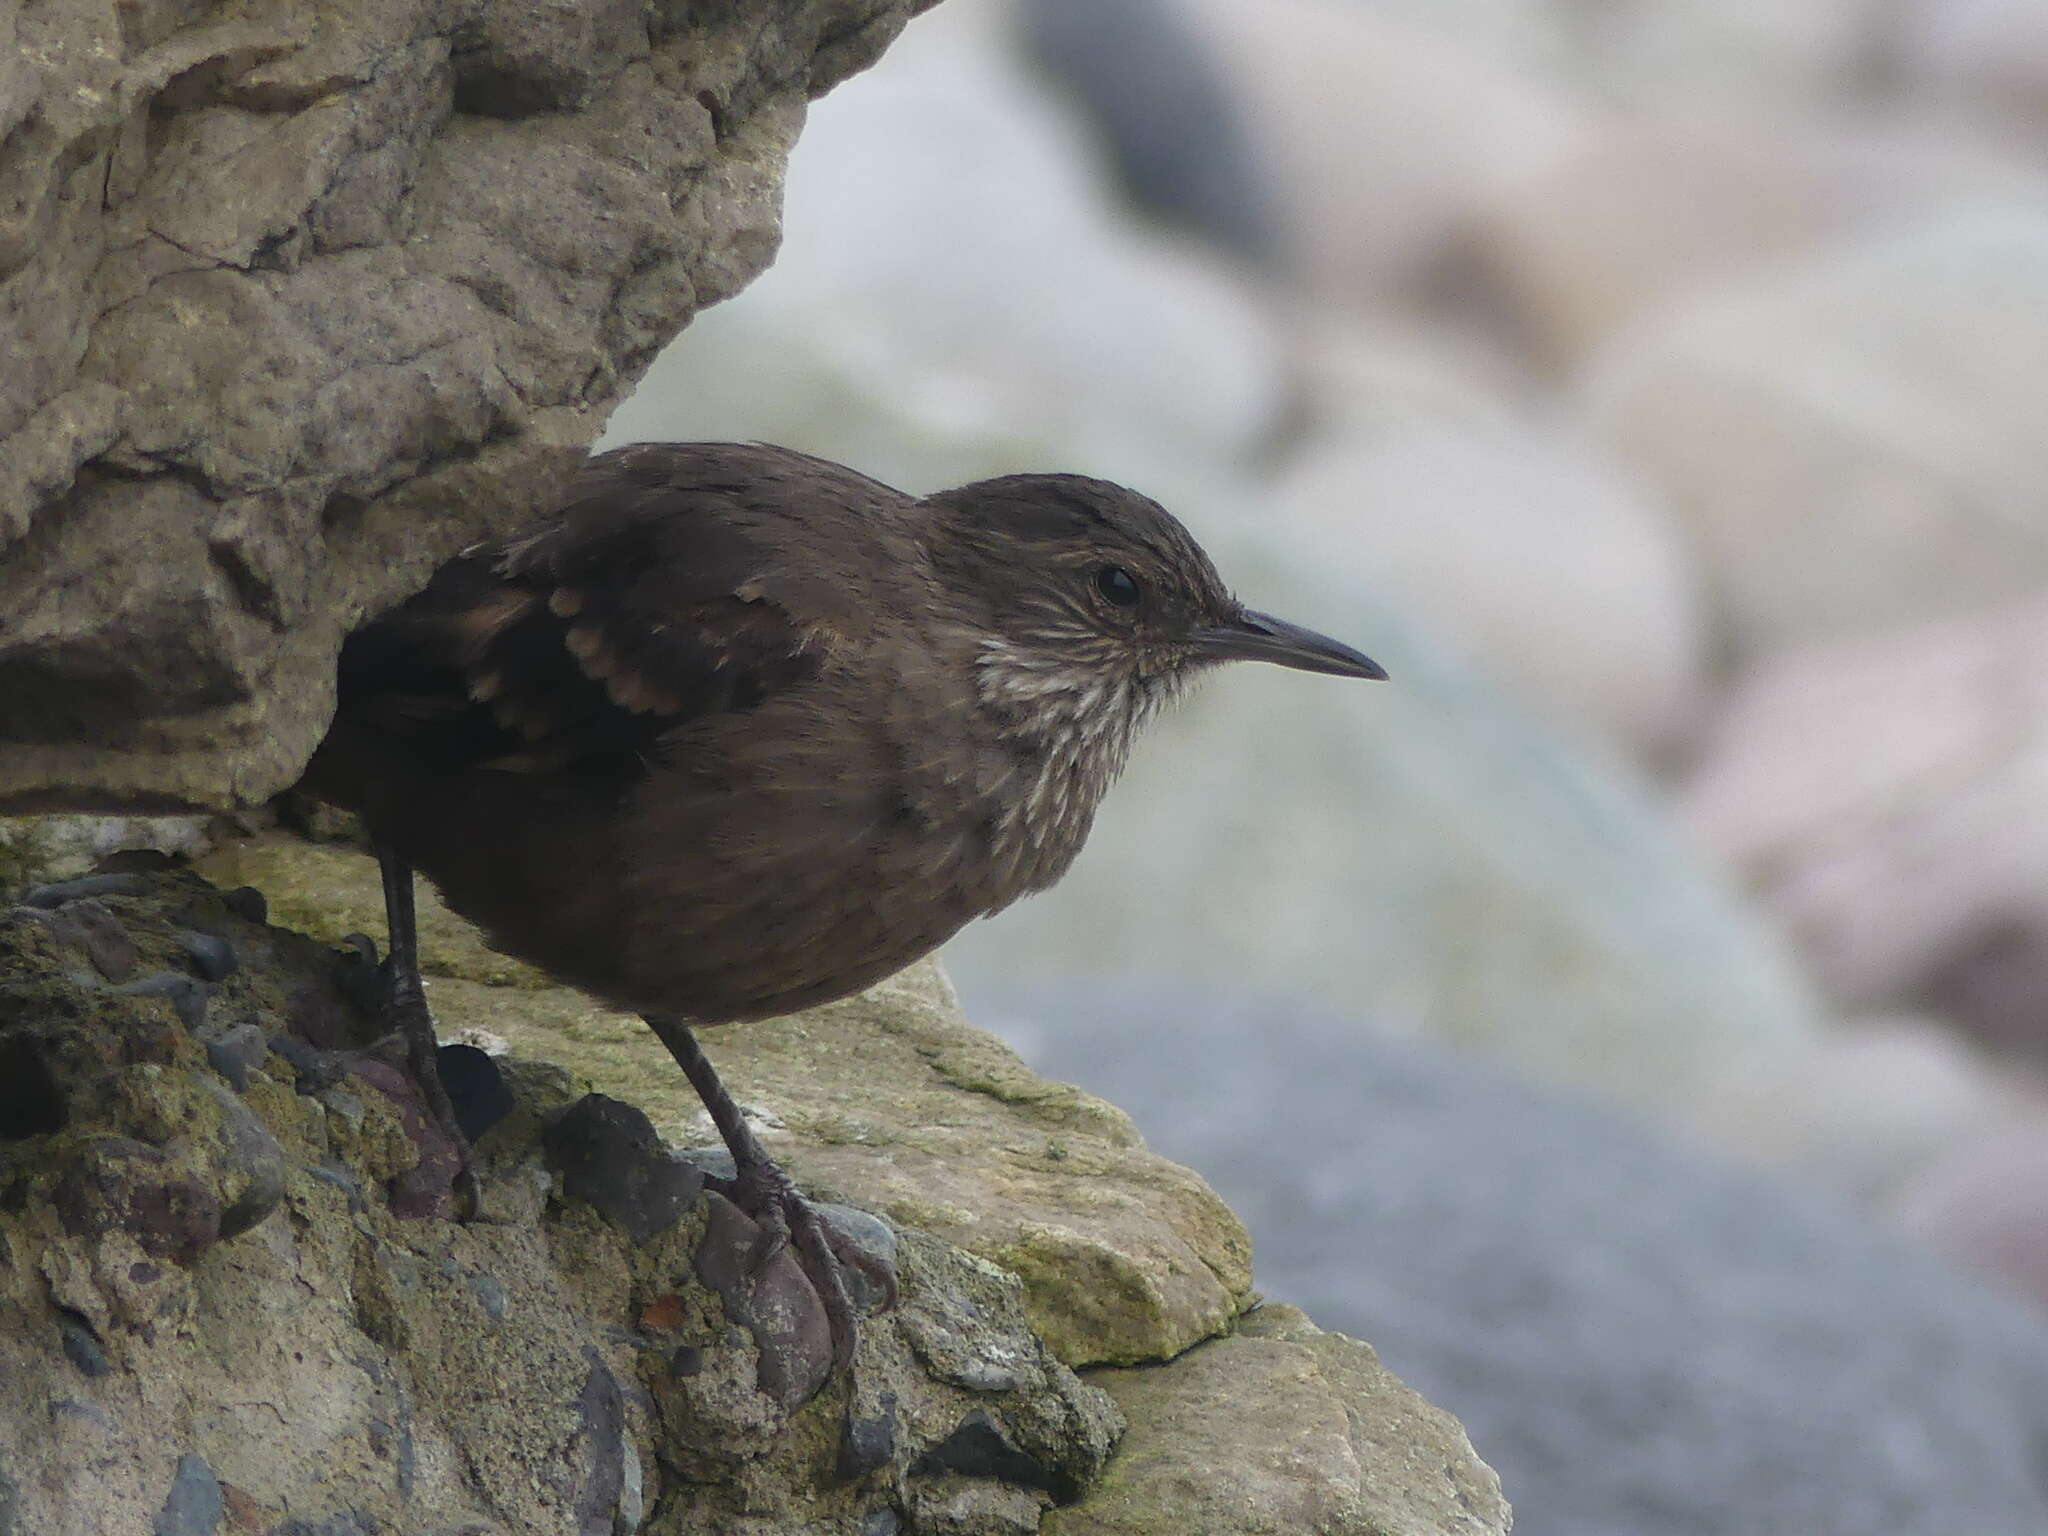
(1086,595)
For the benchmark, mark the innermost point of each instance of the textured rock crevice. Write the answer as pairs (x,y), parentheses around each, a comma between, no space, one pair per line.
(226,1283)
(299,299)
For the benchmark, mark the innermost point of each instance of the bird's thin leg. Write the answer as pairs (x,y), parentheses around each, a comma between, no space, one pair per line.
(406,1001)
(765,1192)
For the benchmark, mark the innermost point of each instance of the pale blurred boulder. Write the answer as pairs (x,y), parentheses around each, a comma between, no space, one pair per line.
(1855,440)
(1871,1106)
(959,293)
(1641,212)
(1740,52)
(1380,139)
(1661,204)
(1885,796)
(1534,35)
(1988,56)
(1531,552)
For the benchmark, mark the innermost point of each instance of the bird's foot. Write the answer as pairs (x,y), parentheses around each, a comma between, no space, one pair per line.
(827,1254)
(400,1001)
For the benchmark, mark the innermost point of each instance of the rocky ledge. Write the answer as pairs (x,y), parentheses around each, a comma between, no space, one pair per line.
(230,1300)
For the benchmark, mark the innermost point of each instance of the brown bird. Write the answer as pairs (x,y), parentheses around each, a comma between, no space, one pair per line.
(737,731)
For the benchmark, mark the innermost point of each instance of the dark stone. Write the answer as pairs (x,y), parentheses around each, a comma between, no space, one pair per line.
(609,1157)
(601,1415)
(235,1053)
(476,1088)
(866,1444)
(59,892)
(688,1360)
(212,957)
(257,1156)
(116,1183)
(774,1301)
(87,924)
(314,1069)
(427,1188)
(979,1448)
(247,903)
(194,1506)
(31,1103)
(113,953)
(184,993)
(81,1344)
(362,980)
(343,1179)
(1164,105)
(883,1522)
(10,1507)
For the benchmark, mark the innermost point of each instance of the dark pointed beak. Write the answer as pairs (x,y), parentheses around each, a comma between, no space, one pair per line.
(1261,637)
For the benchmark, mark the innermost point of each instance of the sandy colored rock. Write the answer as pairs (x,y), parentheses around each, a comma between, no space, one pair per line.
(299,299)
(1638,213)
(891,1101)
(1853,442)
(211,1292)
(209,1296)
(1282,1428)
(1379,138)
(1546,560)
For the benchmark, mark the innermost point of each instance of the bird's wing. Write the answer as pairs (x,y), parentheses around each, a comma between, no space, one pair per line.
(646,603)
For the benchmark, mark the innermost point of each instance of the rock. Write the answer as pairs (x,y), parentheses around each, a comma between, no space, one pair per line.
(1642,1339)
(567,1363)
(1982,1203)
(891,1102)
(1874,1104)
(1314,1434)
(1901,847)
(510,1370)
(1379,139)
(1989,56)
(1163,104)
(1639,214)
(1879,399)
(1739,53)
(1055,333)
(298,303)
(1541,558)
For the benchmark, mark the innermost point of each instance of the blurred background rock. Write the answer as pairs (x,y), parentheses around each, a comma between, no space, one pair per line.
(1656,387)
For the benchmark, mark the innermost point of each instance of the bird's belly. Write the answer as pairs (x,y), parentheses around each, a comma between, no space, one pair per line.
(715,908)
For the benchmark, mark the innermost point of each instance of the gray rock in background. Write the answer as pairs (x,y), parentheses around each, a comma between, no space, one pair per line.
(1161,100)
(296,301)
(1644,1342)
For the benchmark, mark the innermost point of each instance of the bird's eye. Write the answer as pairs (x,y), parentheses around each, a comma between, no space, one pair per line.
(1118,585)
